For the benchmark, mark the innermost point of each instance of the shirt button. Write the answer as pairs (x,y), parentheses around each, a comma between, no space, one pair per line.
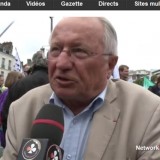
(68,157)
(74,121)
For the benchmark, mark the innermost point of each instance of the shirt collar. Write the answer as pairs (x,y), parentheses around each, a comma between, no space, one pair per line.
(94,105)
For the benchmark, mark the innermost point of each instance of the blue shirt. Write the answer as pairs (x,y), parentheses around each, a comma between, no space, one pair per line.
(76,127)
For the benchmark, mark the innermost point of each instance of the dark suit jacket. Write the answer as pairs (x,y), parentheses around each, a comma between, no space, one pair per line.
(37,78)
(129,118)
(155,89)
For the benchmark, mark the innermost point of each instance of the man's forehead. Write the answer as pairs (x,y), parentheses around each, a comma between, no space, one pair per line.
(78,25)
(125,68)
(79,19)
(75,22)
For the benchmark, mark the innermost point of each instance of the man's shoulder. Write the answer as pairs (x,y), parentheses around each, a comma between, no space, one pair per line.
(40,91)
(132,99)
(39,94)
(125,85)
(130,90)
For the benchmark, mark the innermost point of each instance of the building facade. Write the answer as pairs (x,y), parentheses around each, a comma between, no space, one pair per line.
(7,60)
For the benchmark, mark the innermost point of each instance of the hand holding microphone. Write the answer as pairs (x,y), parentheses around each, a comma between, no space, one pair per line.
(46,136)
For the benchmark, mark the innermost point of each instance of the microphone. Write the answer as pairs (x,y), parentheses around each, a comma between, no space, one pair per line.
(45,137)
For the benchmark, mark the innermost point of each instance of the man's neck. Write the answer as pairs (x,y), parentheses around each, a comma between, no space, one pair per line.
(76,107)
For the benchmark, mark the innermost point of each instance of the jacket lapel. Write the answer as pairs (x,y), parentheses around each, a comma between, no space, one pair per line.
(103,124)
(48,94)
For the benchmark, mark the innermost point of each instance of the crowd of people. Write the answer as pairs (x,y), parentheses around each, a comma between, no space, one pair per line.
(17,84)
(104,119)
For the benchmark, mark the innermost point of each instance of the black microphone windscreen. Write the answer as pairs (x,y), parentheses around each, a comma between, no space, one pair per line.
(49,124)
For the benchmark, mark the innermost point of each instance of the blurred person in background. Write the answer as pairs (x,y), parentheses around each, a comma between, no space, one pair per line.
(10,81)
(12,78)
(124,72)
(38,76)
(2,86)
(156,88)
(26,69)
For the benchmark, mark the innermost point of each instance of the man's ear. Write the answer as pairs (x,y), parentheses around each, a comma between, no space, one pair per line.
(112,62)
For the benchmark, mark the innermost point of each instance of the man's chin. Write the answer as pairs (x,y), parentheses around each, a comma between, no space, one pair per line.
(65,94)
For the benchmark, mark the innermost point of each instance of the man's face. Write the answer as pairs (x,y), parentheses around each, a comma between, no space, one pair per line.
(71,77)
(1,81)
(124,74)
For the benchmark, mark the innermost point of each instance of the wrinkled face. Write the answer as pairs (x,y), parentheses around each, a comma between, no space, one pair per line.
(70,75)
(1,80)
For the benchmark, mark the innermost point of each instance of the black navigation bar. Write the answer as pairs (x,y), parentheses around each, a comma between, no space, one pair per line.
(79,4)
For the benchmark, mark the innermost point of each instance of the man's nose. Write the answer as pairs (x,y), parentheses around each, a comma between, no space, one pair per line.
(64,61)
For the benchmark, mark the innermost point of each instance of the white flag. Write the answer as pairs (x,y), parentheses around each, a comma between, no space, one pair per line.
(17,65)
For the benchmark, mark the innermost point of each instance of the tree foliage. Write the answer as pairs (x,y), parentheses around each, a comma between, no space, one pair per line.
(139,81)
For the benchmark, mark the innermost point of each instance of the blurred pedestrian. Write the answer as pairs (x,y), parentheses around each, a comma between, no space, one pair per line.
(124,72)
(26,69)
(156,88)
(11,79)
(38,76)
(2,86)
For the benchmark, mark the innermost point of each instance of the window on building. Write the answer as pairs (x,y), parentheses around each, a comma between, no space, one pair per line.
(3,63)
(9,65)
(7,52)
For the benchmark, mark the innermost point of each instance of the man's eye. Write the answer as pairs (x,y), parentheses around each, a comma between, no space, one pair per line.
(79,53)
(55,49)
(78,50)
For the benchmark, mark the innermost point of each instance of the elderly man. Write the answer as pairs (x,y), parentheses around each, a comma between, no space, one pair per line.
(104,120)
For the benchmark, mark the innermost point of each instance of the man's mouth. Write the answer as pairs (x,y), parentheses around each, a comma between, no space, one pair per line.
(63,81)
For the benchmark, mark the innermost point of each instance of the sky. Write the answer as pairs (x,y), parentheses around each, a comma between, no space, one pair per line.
(138,33)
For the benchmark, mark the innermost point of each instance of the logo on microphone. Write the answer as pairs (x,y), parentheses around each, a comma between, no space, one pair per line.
(31,149)
(54,153)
